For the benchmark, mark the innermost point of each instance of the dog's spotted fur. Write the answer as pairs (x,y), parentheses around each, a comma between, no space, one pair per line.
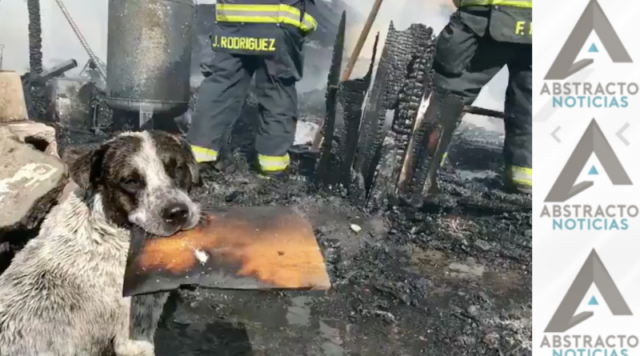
(62,294)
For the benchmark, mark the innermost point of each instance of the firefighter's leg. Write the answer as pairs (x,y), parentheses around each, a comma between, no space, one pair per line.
(278,104)
(518,127)
(220,99)
(278,108)
(464,63)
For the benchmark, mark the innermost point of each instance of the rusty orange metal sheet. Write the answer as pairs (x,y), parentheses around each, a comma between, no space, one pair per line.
(241,248)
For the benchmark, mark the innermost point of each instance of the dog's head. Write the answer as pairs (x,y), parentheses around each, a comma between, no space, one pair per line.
(143,179)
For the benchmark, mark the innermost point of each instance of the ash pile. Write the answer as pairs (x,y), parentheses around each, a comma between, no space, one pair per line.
(448,276)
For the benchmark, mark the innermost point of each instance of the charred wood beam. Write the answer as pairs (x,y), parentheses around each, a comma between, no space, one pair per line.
(35,94)
(416,85)
(396,143)
(391,107)
(352,96)
(375,107)
(333,85)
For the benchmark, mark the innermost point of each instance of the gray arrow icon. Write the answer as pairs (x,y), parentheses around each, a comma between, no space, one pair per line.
(621,131)
(553,134)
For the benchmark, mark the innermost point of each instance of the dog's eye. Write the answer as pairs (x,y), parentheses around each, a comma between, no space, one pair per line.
(131,184)
(182,173)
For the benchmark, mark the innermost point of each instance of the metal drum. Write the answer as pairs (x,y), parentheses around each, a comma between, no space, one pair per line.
(149,55)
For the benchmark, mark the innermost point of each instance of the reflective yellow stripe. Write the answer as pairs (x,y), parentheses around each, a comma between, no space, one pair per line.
(273,163)
(510,3)
(522,175)
(444,158)
(284,14)
(204,154)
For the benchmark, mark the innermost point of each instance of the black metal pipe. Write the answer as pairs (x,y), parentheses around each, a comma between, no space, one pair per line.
(469,109)
(56,71)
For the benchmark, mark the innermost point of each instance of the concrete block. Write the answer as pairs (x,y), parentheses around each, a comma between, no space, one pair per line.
(12,104)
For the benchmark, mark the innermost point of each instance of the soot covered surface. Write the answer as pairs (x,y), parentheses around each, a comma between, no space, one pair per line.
(452,278)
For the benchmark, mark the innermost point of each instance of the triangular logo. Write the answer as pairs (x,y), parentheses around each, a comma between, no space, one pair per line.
(593,19)
(593,141)
(593,171)
(592,272)
(593,301)
(593,48)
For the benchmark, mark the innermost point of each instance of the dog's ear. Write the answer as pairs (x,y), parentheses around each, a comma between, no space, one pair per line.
(85,164)
(196,179)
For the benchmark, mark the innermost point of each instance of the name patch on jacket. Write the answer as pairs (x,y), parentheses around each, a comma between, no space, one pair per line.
(244,43)
(524,28)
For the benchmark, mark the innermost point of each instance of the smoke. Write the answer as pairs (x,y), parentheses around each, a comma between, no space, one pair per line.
(58,40)
(60,43)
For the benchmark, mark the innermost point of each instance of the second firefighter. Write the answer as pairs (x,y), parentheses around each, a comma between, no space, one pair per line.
(261,38)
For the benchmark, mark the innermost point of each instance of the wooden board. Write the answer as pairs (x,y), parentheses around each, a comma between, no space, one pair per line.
(241,248)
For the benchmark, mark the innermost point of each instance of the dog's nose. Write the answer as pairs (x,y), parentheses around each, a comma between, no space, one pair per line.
(176,214)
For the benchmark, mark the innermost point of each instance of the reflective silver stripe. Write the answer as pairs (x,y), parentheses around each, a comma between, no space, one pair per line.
(202,154)
(309,23)
(273,163)
(522,175)
(512,3)
(265,14)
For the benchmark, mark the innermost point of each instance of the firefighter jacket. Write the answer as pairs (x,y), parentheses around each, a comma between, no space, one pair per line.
(506,20)
(255,27)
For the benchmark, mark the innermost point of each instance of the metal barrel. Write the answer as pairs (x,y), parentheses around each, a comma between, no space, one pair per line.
(149,55)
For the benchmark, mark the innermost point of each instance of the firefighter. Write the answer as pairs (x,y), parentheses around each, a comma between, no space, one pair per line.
(261,38)
(481,38)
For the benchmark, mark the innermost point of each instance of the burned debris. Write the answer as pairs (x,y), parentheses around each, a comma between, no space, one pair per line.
(373,141)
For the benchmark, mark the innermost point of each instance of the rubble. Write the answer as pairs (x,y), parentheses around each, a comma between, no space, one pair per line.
(30,183)
(401,286)
(31,174)
(39,135)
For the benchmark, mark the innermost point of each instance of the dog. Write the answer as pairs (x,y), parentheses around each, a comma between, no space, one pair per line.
(62,294)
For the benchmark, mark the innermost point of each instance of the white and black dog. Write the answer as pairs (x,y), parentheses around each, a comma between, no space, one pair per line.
(62,294)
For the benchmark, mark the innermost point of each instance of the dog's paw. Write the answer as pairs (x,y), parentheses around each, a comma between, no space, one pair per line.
(135,348)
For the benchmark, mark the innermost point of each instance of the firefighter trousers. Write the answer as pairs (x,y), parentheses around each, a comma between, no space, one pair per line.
(465,63)
(220,101)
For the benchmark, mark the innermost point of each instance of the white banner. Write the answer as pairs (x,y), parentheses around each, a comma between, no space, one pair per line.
(586,241)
